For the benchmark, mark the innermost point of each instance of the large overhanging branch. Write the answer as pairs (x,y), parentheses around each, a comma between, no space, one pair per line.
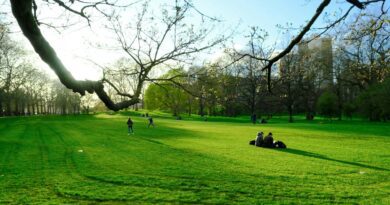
(117,89)
(22,11)
(295,41)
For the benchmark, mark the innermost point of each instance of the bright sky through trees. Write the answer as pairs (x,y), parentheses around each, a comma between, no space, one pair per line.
(77,48)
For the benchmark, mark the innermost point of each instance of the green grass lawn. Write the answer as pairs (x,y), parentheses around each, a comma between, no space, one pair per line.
(91,159)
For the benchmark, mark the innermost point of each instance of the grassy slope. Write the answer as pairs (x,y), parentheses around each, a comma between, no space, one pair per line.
(191,162)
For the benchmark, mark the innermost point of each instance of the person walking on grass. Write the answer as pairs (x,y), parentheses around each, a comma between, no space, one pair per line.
(130,126)
(150,121)
(254,118)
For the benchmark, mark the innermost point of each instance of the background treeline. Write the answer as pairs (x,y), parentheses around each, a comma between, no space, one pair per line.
(27,90)
(345,75)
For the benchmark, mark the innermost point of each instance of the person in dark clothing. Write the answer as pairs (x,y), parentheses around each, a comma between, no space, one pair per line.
(254,118)
(252,142)
(150,122)
(259,139)
(130,126)
(268,141)
(280,145)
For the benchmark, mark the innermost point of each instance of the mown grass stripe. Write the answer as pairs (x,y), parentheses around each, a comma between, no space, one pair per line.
(91,159)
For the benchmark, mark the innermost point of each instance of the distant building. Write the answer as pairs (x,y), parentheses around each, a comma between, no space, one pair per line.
(318,53)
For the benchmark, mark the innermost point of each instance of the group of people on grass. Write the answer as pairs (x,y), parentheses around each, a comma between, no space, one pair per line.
(260,141)
(262,121)
(267,141)
(130,124)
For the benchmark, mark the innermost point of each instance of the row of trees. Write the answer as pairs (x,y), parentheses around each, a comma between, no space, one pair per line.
(26,90)
(235,84)
(350,76)
(149,40)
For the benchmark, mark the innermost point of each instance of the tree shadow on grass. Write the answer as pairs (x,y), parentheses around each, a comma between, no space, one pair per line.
(323,157)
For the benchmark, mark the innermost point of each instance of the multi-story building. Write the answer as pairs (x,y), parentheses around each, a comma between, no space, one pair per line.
(317,55)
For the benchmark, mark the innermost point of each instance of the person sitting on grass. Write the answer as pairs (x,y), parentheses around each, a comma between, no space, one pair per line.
(268,141)
(259,139)
(130,126)
(150,122)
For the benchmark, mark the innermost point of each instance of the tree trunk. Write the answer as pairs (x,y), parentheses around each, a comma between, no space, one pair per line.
(201,107)
(16,106)
(1,109)
(253,99)
(290,114)
(23,108)
(189,107)
(8,109)
(63,110)
(339,100)
(29,105)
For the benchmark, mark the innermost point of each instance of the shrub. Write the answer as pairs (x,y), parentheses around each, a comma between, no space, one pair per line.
(327,104)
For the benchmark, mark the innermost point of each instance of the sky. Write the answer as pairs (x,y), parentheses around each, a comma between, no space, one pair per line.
(76,48)
(266,14)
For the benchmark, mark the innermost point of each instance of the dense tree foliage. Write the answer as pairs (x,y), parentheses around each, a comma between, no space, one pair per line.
(327,104)
(168,96)
(374,102)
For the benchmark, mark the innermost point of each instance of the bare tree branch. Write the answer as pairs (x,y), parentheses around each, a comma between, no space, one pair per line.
(22,10)
(307,28)
(116,89)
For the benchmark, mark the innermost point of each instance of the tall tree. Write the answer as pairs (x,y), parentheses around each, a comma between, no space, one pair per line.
(254,77)
(291,75)
(168,95)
